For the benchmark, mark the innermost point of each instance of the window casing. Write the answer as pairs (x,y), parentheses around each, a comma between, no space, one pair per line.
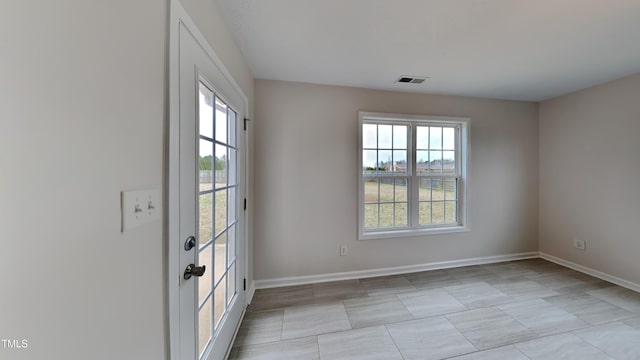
(412,175)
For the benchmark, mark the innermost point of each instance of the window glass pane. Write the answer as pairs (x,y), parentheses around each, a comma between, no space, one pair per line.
(233,141)
(385,161)
(219,301)
(205,116)
(369,161)
(371,215)
(220,256)
(437,190)
(371,191)
(221,166)
(422,161)
(400,190)
(401,214)
(450,190)
(205,257)
(424,190)
(384,136)
(206,165)
(399,136)
(435,161)
(450,211)
(424,213)
(400,161)
(231,283)
(386,215)
(448,161)
(422,137)
(386,190)
(221,211)
(369,136)
(448,139)
(204,326)
(205,218)
(437,212)
(221,121)
(435,138)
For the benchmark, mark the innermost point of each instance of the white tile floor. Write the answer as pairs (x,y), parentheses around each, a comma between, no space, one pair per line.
(530,309)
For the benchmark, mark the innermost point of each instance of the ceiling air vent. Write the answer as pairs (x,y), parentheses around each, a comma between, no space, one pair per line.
(411,79)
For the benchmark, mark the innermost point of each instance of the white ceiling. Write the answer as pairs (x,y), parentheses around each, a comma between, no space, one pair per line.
(511,49)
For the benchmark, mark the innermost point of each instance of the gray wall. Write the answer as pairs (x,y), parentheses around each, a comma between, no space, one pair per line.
(82,114)
(590,177)
(306,172)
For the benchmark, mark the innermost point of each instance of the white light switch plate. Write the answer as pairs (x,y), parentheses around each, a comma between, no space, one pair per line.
(139,207)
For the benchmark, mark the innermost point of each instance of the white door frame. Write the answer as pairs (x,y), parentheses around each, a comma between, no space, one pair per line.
(178,16)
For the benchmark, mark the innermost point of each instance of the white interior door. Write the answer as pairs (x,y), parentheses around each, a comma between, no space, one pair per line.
(210,218)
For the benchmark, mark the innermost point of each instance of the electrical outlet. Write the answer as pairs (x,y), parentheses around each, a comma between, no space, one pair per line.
(343,250)
(579,244)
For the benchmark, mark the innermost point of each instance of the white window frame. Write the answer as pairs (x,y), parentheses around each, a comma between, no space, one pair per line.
(462,155)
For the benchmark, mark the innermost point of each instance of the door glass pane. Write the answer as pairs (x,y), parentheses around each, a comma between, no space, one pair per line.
(204,326)
(221,210)
(205,116)
(233,168)
(221,121)
(221,166)
(206,216)
(220,253)
(206,165)
(220,301)
(231,248)
(233,141)
(231,283)
(231,214)
(205,258)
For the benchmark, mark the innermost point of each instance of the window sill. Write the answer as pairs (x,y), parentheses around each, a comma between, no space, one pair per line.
(392,234)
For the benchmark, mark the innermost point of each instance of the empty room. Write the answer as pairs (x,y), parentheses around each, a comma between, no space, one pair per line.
(286,179)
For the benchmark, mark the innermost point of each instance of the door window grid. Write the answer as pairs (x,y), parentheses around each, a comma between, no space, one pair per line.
(220,170)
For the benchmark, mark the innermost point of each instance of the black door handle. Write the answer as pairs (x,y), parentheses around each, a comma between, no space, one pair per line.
(193,270)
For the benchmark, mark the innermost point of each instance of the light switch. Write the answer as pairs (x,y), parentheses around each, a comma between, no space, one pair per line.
(139,207)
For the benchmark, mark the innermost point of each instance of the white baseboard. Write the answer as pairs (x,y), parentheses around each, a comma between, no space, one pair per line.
(589,271)
(348,275)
